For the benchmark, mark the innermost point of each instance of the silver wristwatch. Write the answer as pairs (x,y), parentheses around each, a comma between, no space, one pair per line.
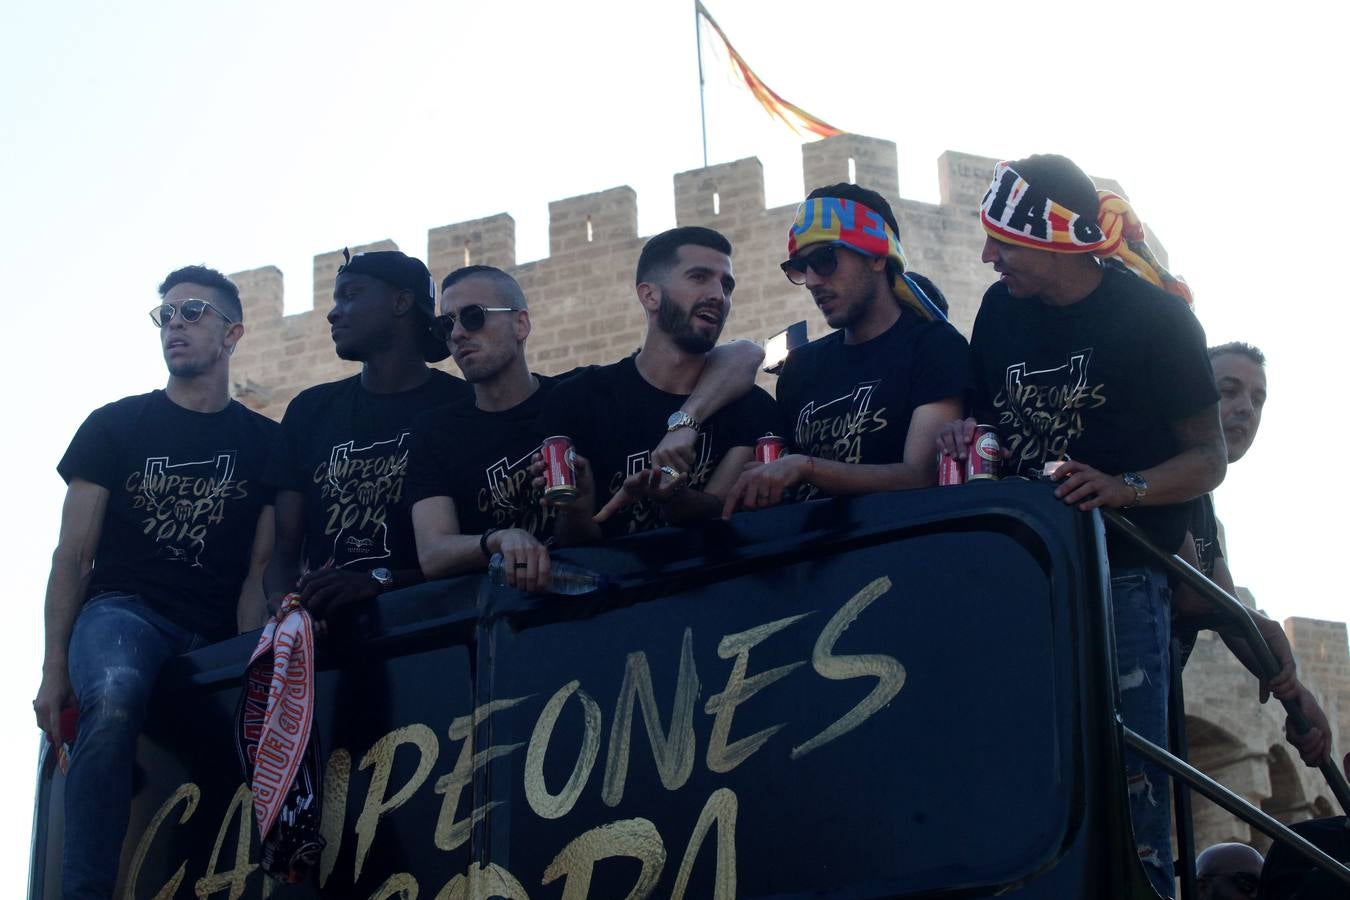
(383,577)
(681,419)
(1135,481)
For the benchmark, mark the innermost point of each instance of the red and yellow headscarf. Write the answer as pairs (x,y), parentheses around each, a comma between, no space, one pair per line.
(848,222)
(1015,212)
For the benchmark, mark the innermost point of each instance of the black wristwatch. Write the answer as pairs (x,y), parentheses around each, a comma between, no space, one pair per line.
(383,577)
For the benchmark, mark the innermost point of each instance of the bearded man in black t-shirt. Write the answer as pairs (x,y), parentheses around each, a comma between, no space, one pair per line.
(344,531)
(469,477)
(861,407)
(1101,366)
(164,533)
(616,414)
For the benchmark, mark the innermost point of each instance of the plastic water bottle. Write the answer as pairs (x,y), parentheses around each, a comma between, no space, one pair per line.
(566,579)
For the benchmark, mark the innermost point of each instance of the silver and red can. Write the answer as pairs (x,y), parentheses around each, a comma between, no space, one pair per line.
(984,457)
(769,448)
(560,470)
(950,470)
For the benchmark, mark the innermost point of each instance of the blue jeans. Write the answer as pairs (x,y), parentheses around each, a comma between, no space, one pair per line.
(117,649)
(1141,601)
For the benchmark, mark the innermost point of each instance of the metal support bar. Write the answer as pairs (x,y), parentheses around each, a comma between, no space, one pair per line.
(1176,721)
(1236,805)
(1233,609)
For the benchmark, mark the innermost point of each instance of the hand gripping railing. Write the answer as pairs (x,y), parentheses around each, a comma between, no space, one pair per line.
(1231,609)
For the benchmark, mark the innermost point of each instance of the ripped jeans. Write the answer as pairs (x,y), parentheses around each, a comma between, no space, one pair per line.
(1141,601)
(117,649)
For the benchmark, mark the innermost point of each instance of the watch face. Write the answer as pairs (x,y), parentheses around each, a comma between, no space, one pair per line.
(676,419)
(383,576)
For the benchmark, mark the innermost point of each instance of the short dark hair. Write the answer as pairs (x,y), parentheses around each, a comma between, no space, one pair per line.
(662,252)
(1060,179)
(1241,348)
(207,278)
(508,289)
(859,194)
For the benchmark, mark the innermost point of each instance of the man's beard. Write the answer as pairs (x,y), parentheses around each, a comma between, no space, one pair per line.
(674,322)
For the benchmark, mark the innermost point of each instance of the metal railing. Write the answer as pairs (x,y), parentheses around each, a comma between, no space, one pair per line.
(1234,612)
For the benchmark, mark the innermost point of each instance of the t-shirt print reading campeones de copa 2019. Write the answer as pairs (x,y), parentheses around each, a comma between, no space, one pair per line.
(834,429)
(181,501)
(1040,411)
(357,486)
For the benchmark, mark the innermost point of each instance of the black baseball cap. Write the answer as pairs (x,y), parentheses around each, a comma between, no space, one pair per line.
(399,270)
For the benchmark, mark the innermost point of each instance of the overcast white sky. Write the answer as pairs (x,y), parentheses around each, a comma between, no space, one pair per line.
(137,138)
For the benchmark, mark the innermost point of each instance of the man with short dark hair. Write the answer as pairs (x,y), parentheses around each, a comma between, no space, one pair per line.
(861,407)
(1099,367)
(344,531)
(616,414)
(165,531)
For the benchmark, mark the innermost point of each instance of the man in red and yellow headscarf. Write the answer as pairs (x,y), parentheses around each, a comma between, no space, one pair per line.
(1088,357)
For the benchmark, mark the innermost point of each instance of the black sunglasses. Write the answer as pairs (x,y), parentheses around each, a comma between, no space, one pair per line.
(823,262)
(472,317)
(190,310)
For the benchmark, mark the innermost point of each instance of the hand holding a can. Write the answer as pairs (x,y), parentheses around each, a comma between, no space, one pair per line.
(954,438)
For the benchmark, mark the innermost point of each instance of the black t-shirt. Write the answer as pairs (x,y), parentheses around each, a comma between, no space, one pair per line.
(1204,526)
(185,490)
(1101,381)
(853,402)
(481,461)
(346,450)
(615,418)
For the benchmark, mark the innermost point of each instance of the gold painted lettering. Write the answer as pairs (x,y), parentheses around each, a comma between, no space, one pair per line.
(887,670)
(450,832)
(237,877)
(381,757)
(334,815)
(187,793)
(545,804)
(482,883)
(723,757)
(674,753)
(402,885)
(721,808)
(634,838)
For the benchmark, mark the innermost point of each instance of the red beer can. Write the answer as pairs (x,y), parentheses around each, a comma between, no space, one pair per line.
(560,472)
(984,458)
(769,448)
(950,470)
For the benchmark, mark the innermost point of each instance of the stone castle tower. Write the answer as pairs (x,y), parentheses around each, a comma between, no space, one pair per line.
(584,310)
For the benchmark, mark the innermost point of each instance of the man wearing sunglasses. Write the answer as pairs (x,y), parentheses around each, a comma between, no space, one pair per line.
(861,407)
(617,414)
(344,530)
(164,534)
(469,474)
(1087,355)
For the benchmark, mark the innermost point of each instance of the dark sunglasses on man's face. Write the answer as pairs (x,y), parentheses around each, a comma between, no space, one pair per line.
(1245,882)
(823,262)
(472,317)
(190,310)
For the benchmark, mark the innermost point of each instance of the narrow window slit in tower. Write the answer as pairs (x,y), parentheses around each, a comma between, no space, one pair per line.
(852,171)
(717,204)
(590,231)
(466,251)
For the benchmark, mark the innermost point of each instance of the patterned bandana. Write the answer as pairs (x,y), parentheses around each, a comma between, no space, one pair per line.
(848,222)
(277,744)
(1015,212)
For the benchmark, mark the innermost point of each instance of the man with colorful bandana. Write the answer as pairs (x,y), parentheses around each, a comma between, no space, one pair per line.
(1086,354)
(861,407)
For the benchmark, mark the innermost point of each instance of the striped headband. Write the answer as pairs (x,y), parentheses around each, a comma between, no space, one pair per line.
(848,222)
(1015,212)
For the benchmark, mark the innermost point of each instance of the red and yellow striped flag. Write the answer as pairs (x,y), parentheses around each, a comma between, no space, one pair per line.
(796,118)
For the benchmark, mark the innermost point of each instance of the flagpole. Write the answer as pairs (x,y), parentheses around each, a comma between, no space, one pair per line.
(702,110)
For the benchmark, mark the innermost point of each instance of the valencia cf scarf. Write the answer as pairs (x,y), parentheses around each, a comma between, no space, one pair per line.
(1015,211)
(278,747)
(848,222)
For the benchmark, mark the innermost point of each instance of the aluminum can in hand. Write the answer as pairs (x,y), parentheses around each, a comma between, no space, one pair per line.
(769,448)
(984,458)
(560,470)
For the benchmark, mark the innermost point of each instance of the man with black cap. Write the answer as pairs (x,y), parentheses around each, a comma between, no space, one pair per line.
(344,533)
(165,531)
(861,407)
(1087,355)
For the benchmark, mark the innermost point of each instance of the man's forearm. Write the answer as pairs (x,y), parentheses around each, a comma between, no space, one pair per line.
(1185,476)
(841,479)
(728,375)
(66,587)
(449,554)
